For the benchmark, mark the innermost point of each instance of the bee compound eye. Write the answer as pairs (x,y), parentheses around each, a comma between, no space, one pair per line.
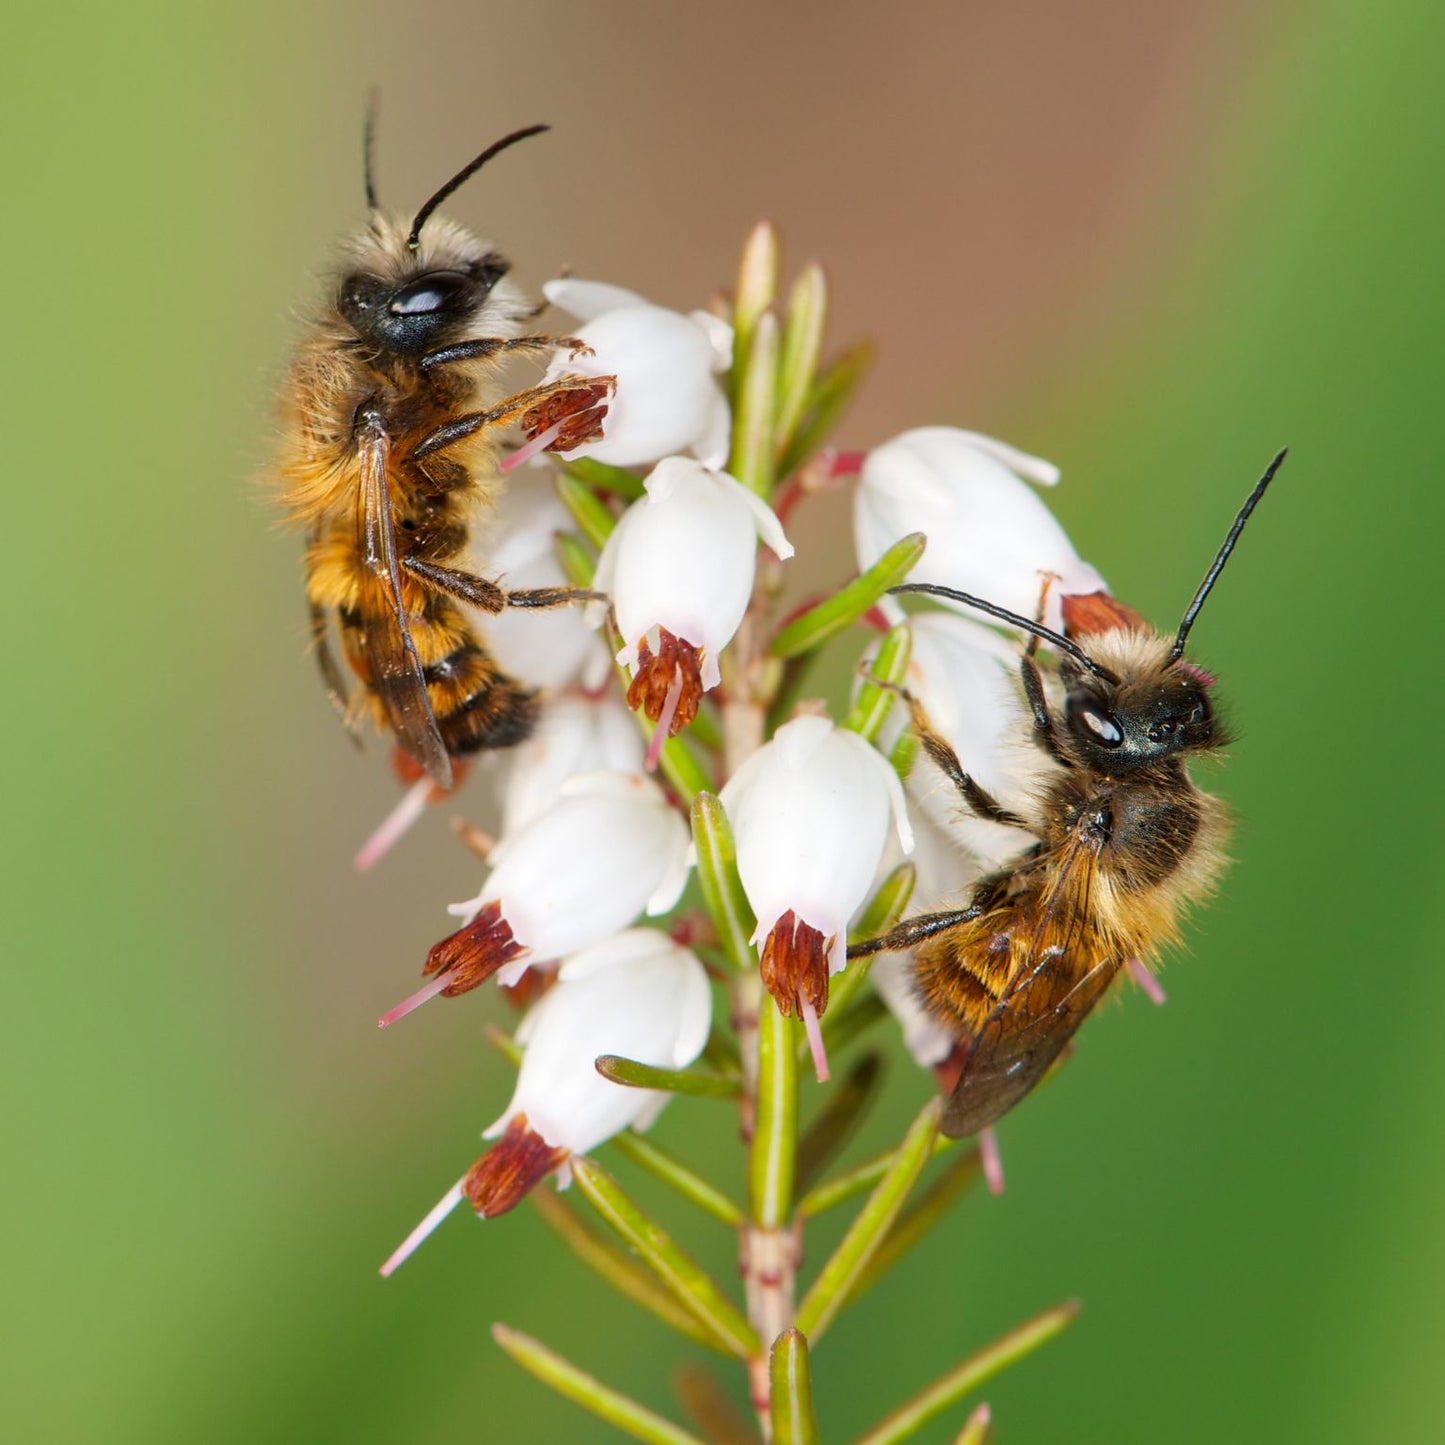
(433,292)
(1094,724)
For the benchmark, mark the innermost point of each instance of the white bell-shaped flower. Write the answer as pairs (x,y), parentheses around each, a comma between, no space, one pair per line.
(638,995)
(810,814)
(609,849)
(988,532)
(547,647)
(576,733)
(679,569)
(669,396)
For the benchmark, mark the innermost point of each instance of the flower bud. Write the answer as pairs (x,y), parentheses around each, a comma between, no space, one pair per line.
(668,397)
(988,533)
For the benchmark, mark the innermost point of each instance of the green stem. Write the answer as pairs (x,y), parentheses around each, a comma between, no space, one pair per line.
(589,1392)
(843,1106)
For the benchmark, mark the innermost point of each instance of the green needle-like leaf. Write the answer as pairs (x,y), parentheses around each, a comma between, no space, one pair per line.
(873,704)
(867,1232)
(578,563)
(585,1390)
(831,393)
(775,1131)
(589,511)
(504,1044)
(699,1082)
(602,478)
(751,457)
(620,1269)
(661,1165)
(948,1389)
(757,290)
(684,1277)
(843,1106)
(712,1408)
(904,751)
(791,1396)
(802,346)
(920,1216)
(977,1429)
(815,626)
(858,1180)
(722,889)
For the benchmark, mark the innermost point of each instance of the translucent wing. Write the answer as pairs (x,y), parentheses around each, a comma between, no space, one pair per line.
(1067,963)
(396,669)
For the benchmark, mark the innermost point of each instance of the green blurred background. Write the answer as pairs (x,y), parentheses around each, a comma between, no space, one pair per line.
(1150,243)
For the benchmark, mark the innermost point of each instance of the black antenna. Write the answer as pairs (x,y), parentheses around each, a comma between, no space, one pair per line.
(368,148)
(465,174)
(1054,639)
(1252,501)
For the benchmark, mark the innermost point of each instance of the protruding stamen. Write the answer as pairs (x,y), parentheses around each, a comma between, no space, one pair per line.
(529,449)
(815,1041)
(408,1005)
(434,1217)
(410,806)
(663,730)
(1146,980)
(991,1159)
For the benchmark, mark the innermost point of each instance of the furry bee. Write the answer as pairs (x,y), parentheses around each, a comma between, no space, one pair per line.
(391,421)
(1126,843)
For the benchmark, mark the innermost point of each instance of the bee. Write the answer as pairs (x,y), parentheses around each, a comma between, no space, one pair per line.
(392,415)
(1126,843)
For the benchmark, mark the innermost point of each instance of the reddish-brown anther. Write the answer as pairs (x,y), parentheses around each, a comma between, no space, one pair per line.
(577,412)
(658,672)
(795,966)
(503,1177)
(1090,612)
(471,955)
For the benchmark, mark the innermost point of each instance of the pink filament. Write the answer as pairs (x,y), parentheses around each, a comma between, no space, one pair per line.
(434,1217)
(1146,981)
(415,1001)
(410,806)
(815,1040)
(664,721)
(991,1160)
(528,450)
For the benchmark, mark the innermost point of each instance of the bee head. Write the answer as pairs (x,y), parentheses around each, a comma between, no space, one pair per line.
(1143,717)
(421,310)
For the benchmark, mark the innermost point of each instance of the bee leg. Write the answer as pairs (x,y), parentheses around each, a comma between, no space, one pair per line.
(479,592)
(588,391)
(331,675)
(1043,729)
(913,932)
(485,347)
(980,801)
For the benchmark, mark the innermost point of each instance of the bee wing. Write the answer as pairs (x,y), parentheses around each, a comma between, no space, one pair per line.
(1064,974)
(396,668)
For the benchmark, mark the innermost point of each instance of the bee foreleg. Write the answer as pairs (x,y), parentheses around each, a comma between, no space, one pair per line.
(485,347)
(569,394)
(553,597)
(980,801)
(1043,729)
(914,931)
